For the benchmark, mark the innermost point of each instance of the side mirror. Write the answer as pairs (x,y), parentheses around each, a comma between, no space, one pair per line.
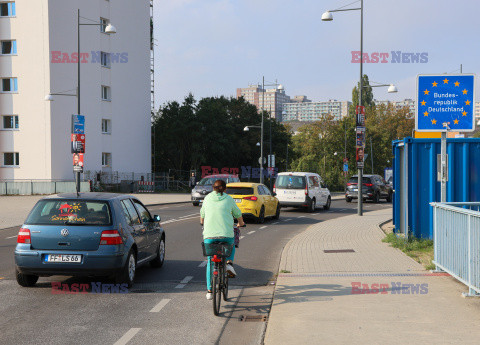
(274,194)
(157,218)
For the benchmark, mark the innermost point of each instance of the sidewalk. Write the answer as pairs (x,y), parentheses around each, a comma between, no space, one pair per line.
(14,209)
(355,297)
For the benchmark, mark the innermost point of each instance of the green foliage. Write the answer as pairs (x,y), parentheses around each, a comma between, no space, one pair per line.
(419,249)
(210,133)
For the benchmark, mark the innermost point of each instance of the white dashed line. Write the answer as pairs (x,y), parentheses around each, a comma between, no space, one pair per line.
(263,227)
(203,264)
(251,232)
(189,215)
(180,286)
(242,237)
(127,336)
(275,223)
(302,217)
(10,237)
(177,220)
(186,279)
(160,305)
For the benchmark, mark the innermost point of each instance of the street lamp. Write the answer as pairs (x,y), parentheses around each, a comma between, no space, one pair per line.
(246,129)
(327,16)
(109,29)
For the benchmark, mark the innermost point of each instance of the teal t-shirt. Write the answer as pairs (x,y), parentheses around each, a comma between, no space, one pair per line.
(218,212)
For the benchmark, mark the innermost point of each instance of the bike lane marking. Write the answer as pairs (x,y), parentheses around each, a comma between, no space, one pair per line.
(160,305)
(263,227)
(127,336)
(203,264)
(251,232)
(184,282)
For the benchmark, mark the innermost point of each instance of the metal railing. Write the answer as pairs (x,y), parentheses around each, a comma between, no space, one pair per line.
(456,237)
(39,187)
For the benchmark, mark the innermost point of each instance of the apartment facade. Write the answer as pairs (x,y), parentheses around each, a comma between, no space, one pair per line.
(314,111)
(39,44)
(409,103)
(271,100)
(477,113)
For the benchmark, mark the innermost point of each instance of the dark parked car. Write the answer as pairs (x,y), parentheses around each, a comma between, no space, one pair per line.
(205,186)
(374,188)
(94,234)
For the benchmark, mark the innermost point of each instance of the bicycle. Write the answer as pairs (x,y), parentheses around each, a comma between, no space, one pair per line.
(218,251)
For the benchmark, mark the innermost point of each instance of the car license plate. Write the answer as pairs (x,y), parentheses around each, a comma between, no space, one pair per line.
(355,189)
(63,258)
(238,201)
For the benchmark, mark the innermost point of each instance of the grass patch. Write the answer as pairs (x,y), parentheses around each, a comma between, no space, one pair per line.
(421,250)
(285,271)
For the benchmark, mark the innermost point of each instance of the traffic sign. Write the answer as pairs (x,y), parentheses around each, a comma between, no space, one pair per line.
(271,161)
(445,98)
(260,160)
(78,124)
(345,167)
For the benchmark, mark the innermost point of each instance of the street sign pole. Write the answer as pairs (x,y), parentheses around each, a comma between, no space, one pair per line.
(443,166)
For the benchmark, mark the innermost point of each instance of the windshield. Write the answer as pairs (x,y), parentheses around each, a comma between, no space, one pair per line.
(354,179)
(71,212)
(208,181)
(290,182)
(239,191)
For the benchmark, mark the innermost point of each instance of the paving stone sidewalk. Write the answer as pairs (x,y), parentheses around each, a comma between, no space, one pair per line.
(315,301)
(14,209)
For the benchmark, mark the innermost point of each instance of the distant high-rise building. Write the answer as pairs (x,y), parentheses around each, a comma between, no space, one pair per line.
(270,100)
(409,103)
(477,112)
(314,111)
(300,99)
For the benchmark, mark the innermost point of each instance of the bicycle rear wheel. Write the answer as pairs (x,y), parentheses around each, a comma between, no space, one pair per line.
(217,294)
(225,283)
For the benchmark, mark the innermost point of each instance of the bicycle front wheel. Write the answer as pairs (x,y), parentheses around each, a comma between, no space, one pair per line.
(217,294)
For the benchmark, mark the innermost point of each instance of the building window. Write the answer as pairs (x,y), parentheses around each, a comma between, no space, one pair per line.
(106,159)
(106,126)
(10,122)
(11,159)
(104,23)
(106,96)
(7,9)
(9,47)
(9,85)
(105,59)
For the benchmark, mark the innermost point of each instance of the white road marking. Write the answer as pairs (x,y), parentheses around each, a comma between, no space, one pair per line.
(302,217)
(251,232)
(10,237)
(242,237)
(186,279)
(127,336)
(263,227)
(177,220)
(189,215)
(275,223)
(160,305)
(286,220)
(180,286)
(203,264)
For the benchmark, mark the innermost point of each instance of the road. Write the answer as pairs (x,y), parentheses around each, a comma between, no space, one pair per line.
(166,305)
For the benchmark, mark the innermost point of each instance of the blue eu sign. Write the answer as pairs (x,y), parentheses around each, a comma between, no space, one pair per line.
(78,124)
(445,98)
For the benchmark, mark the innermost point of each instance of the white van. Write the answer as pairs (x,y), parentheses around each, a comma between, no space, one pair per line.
(302,189)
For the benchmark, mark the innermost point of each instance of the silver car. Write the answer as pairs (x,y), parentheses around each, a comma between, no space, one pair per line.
(205,186)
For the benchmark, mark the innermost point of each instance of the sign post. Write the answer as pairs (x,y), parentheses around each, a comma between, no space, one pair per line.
(445,102)
(78,147)
(360,152)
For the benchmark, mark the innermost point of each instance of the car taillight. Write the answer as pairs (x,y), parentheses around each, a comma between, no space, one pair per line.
(252,198)
(274,188)
(368,184)
(110,237)
(24,236)
(306,190)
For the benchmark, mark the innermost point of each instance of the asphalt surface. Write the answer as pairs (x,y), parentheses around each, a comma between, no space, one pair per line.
(166,305)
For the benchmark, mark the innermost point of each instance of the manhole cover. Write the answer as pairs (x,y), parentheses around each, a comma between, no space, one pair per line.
(339,251)
(251,318)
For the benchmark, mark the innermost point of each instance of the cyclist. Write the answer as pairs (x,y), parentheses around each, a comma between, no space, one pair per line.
(217,213)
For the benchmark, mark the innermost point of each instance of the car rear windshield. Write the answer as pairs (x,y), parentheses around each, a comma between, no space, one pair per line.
(355,180)
(239,191)
(71,212)
(290,182)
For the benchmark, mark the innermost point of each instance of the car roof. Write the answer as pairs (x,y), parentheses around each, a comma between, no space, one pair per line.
(297,173)
(242,184)
(88,196)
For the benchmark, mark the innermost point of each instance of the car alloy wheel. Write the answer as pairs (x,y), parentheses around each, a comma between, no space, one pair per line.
(312,206)
(327,205)
(131,267)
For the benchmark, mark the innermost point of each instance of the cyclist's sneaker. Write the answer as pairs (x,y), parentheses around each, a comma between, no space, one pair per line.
(231,271)
(209,296)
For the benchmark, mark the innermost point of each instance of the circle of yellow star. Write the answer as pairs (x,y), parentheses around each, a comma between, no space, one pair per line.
(434,122)
(426,92)
(467,102)
(464,113)
(445,81)
(434,84)
(457,83)
(455,121)
(423,102)
(425,113)
(465,91)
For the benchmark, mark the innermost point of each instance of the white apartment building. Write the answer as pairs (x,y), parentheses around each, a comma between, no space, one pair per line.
(409,103)
(38,38)
(270,100)
(477,113)
(314,111)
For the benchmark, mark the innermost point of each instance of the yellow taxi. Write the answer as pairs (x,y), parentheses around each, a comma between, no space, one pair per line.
(254,200)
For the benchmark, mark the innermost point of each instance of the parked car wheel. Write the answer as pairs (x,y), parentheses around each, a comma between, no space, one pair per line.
(127,274)
(26,280)
(312,206)
(277,213)
(160,258)
(195,203)
(347,199)
(327,205)
(261,216)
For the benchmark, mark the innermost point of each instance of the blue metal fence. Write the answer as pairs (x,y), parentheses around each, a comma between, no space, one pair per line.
(456,241)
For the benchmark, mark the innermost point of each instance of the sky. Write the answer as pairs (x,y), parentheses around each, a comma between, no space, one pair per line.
(212,47)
